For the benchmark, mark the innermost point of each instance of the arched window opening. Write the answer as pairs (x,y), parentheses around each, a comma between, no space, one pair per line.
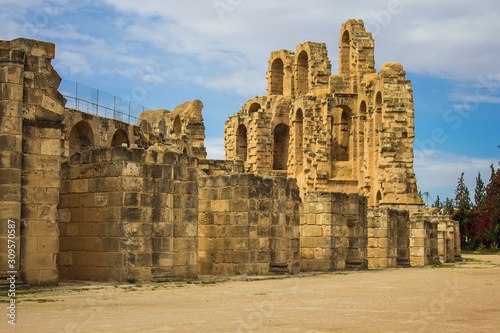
(277,74)
(341,133)
(299,139)
(362,111)
(177,126)
(362,127)
(162,127)
(241,142)
(302,73)
(378,102)
(81,137)
(345,55)
(254,107)
(280,148)
(344,137)
(378,199)
(145,126)
(119,138)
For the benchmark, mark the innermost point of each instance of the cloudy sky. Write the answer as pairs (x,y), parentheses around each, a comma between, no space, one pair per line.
(162,53)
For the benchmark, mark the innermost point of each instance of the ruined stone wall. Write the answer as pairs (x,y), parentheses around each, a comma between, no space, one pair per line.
(184,123)
(388,238)
(11,117)
(129,214)
(31,116)
(248,224)
(333,232)
(423,239)
(448,243)
(351,132)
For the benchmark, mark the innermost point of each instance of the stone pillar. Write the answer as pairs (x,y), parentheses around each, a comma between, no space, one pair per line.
(42,149)
(423,240)
(333,232)
(31,111)
(457,244)
(248,224)
(11,98)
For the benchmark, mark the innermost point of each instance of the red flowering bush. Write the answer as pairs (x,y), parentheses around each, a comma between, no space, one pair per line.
(483,222)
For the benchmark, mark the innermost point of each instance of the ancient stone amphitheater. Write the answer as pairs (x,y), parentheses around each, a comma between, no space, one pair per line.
(318,176)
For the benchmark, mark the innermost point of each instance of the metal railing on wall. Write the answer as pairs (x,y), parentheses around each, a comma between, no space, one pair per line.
(94,101)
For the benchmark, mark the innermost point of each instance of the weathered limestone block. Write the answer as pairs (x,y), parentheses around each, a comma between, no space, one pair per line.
(423,240)
(135,217)
(333,232)
(250,227)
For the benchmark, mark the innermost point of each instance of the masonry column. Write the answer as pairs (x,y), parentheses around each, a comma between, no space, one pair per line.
(42,144)
(11,98)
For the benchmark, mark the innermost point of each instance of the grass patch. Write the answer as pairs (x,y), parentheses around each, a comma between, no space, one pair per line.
(209,282)
(5,294)
(38,300)
(260,294)
(472,260)
(443,266)
(486,251)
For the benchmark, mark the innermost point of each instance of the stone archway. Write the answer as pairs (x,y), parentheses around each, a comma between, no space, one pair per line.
(280,147)
(81,137)
(119,138)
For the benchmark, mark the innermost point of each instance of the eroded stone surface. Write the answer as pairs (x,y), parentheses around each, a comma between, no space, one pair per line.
(318,176)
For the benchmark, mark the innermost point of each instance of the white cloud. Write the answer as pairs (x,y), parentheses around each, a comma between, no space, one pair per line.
(74,63)
(456,39)
(243,82)
(215,148)
(436,169)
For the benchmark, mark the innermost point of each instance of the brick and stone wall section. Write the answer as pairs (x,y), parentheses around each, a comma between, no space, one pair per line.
(11,117)
(248,224)
(388,238)
(333,232)
(129,214)
(448,243)
(423,239)
(31,147)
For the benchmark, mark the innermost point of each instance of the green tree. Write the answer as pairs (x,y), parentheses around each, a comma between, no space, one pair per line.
(479,192)
(462,195)
(437,204)
(493,172)
(462,210)
(448,207)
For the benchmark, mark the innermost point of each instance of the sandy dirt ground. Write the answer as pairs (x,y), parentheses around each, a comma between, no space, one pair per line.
(463,297)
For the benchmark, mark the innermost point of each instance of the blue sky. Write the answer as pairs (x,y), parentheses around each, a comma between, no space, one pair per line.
(162,53)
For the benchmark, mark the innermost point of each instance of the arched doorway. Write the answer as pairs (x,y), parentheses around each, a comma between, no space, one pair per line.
(378,199)
(280,148)
(302,73)
(344,136)
(119,138)
(341,133)
(345,54)
(254,108)
(299,140)
(81,137)
(177,127)
(277,75)
(162,127)
(241,142)
(145,126)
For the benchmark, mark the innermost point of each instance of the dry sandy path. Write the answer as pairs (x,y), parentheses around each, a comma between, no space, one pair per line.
(461,299)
